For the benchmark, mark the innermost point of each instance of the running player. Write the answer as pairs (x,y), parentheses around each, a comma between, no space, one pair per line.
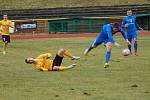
(130,25)
(5,24)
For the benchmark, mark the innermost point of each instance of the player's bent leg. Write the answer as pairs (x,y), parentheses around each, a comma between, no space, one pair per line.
(129,46)
(62,52)
(61,68)
(135,46)
(94,45)
(6,40)
(58,59)
(4,47)
(89,49)
(108,54)
(69,54)
(109,46)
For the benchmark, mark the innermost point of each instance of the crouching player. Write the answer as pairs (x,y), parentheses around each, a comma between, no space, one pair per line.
(44,62)
(106,37)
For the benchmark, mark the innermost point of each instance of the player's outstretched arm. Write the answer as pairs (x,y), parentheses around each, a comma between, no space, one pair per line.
(44,56)
(124,35)
(117,44)
(128,42)
(137,26)
(43,69)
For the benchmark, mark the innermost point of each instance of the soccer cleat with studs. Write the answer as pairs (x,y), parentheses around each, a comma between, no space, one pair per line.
(4,52)
(136,53)
(72,66)
(86,52)
(106,65)
(75,58)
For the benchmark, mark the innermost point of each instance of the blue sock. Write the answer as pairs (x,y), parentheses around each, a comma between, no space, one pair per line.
(135,46)
(129,47)
(107,56)
(90,48)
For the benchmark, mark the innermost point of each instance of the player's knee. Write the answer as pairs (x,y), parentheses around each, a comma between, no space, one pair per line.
(109,49)
(109,44)
(6,42)
(93,45)
(61,52)
(135,40)
(55,68)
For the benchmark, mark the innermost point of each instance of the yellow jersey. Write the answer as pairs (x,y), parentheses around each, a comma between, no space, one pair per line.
(44,61)
(5,24)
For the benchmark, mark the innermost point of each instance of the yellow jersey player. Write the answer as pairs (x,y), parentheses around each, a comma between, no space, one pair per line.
(5,24)
(44,62)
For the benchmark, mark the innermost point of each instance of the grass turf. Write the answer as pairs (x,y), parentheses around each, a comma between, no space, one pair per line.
(126,79)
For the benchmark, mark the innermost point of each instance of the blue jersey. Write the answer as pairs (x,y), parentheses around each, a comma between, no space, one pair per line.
(107,33)
(130,21)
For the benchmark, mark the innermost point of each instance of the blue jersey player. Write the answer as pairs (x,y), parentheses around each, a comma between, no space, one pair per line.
(106,37)
(130,25)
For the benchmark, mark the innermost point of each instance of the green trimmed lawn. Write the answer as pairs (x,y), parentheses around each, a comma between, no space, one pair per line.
(128,78)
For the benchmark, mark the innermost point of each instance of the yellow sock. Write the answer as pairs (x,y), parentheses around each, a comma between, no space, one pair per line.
(5,46)
(68,54)
(61,68)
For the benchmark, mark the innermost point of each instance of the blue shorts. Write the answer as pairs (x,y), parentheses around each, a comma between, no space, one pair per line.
(99,41)
(132,36)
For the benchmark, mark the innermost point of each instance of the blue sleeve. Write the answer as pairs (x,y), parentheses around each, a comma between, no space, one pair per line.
(123,23)
(136,24)
(124,35)
(110,36)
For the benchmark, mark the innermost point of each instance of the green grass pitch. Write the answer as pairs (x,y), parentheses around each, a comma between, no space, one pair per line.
(127,78)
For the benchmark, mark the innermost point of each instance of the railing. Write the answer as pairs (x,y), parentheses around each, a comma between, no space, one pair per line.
(75,12)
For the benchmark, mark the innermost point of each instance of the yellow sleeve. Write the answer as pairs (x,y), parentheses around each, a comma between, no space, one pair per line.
(0,23)
(44,56)
(11,24)
(38,67)
(41,68)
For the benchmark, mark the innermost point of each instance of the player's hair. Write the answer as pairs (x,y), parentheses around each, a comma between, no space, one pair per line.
(129,9)
(116,25)
(26,60)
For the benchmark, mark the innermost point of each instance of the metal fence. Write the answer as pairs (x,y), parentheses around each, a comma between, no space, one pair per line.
(90,25)
(76,25)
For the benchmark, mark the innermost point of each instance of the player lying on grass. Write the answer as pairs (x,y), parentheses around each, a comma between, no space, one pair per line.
(130,25)
(44,62)
(106,37)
